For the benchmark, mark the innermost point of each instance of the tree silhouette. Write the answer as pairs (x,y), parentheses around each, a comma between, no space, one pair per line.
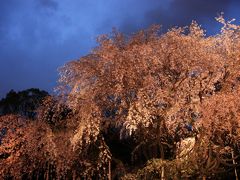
(23,103)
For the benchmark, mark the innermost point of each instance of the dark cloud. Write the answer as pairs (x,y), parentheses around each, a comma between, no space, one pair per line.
(190,8)
(182,12)
(33,45)
(51,4)
(6,10)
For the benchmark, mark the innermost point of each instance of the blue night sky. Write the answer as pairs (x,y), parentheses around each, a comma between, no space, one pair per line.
(38,36)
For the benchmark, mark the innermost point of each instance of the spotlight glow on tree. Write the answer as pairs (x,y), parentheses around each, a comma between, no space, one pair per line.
(174,95)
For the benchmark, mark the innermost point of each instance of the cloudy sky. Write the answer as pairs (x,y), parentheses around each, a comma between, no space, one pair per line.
(38,36)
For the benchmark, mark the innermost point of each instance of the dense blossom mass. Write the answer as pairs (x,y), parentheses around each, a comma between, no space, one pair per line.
(145,106)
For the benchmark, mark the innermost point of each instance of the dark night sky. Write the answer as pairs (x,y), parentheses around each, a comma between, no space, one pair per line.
(38,36)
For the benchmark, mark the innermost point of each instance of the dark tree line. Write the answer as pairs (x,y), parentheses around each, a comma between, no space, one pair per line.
(24,102)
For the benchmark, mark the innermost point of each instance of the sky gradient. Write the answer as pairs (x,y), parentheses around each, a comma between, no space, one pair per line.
(38,36)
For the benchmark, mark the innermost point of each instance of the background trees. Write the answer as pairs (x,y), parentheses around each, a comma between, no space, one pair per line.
(24,102)
(169,102)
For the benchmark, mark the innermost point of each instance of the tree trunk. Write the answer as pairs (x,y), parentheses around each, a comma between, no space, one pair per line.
(234,163)
(74,175)
(109,170)
(162,174)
